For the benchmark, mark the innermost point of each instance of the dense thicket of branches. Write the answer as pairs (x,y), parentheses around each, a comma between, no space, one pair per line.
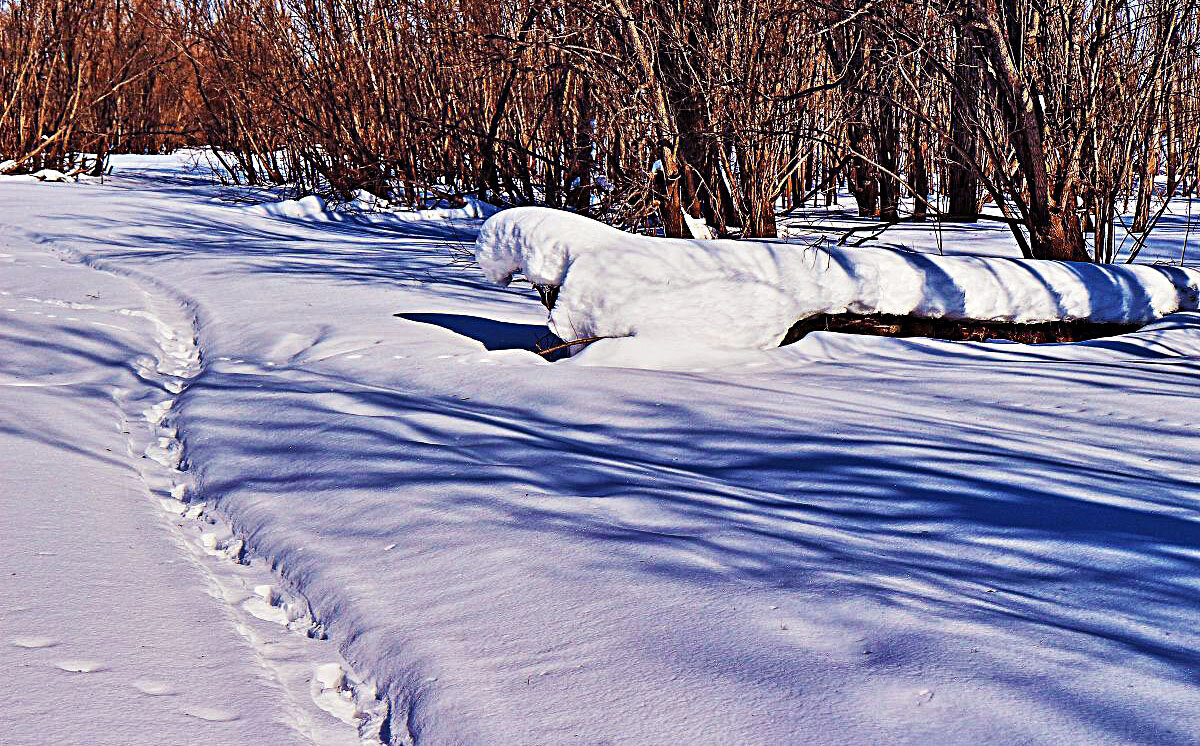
(88,76)
(653,114)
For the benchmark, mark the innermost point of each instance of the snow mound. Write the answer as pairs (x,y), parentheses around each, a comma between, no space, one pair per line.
(474,209)
(746,294)
(50,174)
(311,207)
(364,203)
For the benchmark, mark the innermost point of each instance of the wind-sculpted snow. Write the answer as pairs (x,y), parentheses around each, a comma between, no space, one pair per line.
(847,540)
(747,294)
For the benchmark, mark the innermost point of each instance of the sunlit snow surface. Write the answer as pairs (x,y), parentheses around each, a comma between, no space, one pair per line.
(848,540)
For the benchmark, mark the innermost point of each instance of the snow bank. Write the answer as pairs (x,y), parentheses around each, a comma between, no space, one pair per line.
(748,293)
(50,174)
(313,207)
(474,209)
(46,174)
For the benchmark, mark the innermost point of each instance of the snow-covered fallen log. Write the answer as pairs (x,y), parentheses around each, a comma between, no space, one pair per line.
(748,293)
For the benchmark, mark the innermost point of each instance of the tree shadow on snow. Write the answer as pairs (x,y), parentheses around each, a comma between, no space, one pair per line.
(891,500)
(492,334)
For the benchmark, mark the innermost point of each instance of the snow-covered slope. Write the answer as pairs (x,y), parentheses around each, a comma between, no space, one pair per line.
(847,540)
(746,294)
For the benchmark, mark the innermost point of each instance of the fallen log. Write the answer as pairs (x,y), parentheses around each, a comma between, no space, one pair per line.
(958,330)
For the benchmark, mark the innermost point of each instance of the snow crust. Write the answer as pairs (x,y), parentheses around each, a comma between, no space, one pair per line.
(748,293)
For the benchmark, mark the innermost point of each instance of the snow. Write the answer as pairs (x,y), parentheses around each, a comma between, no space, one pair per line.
(310,207)
(748,293)
(50,174)
(846,540)
(119,628)
(366,205)
(698,228)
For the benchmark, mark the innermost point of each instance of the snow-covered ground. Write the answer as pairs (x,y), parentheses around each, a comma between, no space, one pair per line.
(847,540)
(121,622)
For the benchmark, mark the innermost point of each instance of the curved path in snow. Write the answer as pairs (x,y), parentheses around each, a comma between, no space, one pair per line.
(127,617)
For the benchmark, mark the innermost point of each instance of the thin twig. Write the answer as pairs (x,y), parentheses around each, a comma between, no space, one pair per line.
(565,345)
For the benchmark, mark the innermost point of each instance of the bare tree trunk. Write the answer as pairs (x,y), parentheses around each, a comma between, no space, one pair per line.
(862,177)
(962,181)
(670,196)
(580,163)
(1172,137)
(1151,141)
(888,139)
(918,168)
(1146,175)
(1054,229)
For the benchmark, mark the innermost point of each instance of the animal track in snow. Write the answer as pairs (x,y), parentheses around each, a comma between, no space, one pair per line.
(271,605)
(34,643)
(81,666)
(288,644)
(331,693)
(211,714)
(153,688)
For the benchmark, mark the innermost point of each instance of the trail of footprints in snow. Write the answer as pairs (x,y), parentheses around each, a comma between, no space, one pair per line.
(252,590)
(71,665)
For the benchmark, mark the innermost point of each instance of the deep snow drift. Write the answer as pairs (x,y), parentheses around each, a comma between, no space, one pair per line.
(847,540)
(747,293)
